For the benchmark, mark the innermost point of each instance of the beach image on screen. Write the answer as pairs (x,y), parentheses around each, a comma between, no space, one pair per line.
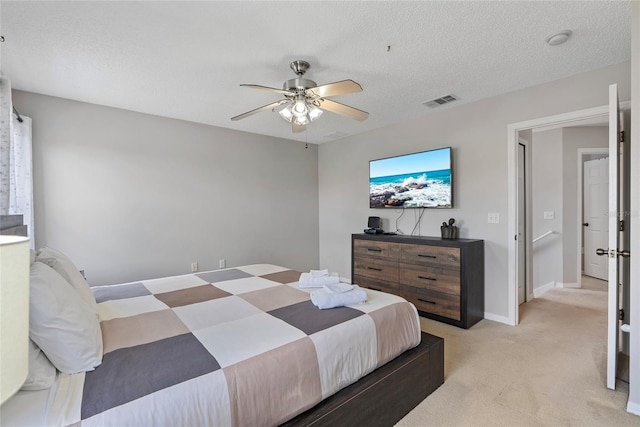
(411,181)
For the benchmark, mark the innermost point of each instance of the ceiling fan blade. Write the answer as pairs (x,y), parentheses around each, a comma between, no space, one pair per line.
(297,128)
(345,110)
(257,110)
(270,89)
(336,88)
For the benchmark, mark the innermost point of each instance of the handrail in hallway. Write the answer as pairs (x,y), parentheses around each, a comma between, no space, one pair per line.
(542,236)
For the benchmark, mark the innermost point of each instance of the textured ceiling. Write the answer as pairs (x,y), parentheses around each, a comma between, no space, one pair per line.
(186,60)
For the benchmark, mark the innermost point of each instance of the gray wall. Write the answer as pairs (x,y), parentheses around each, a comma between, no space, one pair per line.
(478,134)
(130,196)
(547,196)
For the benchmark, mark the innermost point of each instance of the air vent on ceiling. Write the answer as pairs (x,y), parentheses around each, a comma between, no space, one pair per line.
(441,101)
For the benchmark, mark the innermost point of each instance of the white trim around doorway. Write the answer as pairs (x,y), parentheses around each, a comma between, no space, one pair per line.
(549,122)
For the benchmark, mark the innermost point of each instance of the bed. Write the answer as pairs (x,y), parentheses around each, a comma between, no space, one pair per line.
(243,346)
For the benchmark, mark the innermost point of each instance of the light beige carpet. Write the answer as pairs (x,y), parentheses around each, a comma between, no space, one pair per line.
(548,371)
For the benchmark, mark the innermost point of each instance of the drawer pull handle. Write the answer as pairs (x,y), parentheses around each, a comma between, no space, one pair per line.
(374,249)
(375,289)
(427,278)
(427,256)
(374,269)
(427,301)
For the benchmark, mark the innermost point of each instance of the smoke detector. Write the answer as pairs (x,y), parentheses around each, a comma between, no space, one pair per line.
(558,38)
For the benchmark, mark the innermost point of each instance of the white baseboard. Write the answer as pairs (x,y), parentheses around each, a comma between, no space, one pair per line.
(541,290)
(633,408)
(497,318)
(567,285)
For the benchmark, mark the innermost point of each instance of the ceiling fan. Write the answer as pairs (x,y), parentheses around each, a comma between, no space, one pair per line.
(304,100)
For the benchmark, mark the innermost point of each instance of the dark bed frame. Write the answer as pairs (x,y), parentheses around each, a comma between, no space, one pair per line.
(387,394)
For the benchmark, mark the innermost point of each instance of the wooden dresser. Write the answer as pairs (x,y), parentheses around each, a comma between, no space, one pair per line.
(443,278)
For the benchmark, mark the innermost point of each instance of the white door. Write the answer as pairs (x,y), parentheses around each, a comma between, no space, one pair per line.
(612,252)
(595,218)
(522,251)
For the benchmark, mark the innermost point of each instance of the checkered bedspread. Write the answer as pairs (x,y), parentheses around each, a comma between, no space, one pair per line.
(242,346)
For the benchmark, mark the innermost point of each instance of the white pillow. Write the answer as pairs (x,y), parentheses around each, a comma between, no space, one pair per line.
(42,373)
(61,324)
(65,267)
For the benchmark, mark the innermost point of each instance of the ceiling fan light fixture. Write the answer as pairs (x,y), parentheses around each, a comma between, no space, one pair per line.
(300,108)
(314,112)
(301,120)
(286,113)
(304,101)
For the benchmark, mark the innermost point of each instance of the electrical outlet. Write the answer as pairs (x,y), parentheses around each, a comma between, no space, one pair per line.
(549,215)
(194,267)
(221,263)
(493,218)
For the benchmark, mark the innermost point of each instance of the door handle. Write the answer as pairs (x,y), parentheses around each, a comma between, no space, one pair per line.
(613,253)
(586,224)
(624,253)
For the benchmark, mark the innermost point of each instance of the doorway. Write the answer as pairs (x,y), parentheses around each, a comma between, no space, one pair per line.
(595,114)
(593,172)
(618,178)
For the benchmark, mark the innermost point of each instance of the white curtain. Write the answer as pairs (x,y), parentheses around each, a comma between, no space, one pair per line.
(6,135)
(16,166)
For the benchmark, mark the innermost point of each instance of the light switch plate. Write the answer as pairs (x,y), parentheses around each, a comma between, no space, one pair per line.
(549,215)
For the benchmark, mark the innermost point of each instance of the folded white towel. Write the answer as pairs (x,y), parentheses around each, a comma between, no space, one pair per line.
(308,281)
(319,273)
(337,288)
(323,299)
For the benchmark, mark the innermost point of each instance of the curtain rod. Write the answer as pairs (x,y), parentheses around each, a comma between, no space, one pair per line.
(17,114)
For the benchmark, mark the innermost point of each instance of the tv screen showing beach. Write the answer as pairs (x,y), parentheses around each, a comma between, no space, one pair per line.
(418,180)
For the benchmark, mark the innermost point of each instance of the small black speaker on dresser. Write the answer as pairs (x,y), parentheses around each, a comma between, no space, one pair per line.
(375,225)
(374,222)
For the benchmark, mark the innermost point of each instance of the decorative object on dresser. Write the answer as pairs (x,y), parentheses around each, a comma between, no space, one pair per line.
(443,278)
(449,231)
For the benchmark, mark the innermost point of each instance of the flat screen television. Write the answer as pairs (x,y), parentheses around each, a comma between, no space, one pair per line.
(417,180)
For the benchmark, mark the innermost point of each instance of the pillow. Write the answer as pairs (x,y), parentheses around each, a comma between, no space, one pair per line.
(61,324)
(63,265)
(42,373)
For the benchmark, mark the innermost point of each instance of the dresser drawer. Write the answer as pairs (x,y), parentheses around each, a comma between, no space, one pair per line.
(377,285)
(432,278)
(437,256)
(376,268)
(373,248)
(445,305)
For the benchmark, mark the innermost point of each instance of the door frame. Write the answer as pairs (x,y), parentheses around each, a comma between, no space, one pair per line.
(582,152)
(548,122)
(528,243)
